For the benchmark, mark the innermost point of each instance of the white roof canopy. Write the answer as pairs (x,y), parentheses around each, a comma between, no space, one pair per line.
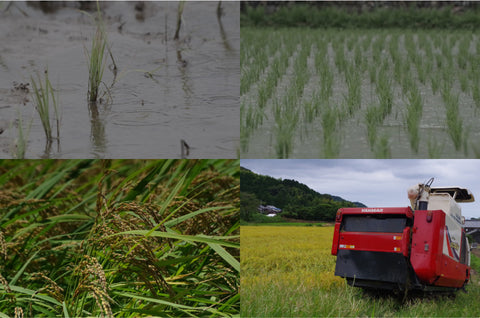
(459,194)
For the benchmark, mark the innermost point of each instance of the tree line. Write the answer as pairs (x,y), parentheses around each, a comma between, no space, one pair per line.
(295,199)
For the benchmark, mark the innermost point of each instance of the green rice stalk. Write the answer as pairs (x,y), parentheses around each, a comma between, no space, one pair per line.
(21,142)
(96,59)
(43,94)
(181,6)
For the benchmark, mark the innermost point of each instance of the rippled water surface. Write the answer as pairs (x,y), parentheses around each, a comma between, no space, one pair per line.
(192,92)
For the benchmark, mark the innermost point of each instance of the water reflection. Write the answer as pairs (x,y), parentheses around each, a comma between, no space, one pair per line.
(97,129)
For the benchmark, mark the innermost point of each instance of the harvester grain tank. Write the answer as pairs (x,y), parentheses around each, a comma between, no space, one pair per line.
(422,247)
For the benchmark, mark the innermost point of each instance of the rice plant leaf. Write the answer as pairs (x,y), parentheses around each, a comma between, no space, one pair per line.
(191,215)
(45,187)
(65,311)
(154,300)
(21,270)
(2,315)
(33,293)
(69,218)
(142,185)
(226,256)
(188,238)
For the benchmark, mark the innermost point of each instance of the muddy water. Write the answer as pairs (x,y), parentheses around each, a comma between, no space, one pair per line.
(192,93)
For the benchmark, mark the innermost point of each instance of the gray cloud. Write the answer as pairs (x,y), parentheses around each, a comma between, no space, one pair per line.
(375,182)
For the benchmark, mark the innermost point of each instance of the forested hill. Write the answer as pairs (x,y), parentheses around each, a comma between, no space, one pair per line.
(295,199)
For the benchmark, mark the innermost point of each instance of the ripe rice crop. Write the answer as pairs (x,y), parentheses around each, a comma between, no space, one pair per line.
(119,238)
(401,72)
(288,271)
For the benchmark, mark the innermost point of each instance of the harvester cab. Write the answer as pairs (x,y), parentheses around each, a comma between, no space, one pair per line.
(424,248)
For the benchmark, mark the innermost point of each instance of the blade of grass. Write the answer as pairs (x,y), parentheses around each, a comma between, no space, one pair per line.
(226,256)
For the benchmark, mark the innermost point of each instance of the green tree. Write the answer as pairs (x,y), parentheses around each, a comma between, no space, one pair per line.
(248,206)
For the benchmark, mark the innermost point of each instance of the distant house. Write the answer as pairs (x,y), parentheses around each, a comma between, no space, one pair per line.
(472,227)
(269,209)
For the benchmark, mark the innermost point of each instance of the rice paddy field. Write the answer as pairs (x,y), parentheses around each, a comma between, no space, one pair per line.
(119,238)
(359,93)
(124,85)
(289,272)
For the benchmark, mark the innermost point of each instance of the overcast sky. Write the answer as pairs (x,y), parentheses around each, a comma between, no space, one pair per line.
(375,183)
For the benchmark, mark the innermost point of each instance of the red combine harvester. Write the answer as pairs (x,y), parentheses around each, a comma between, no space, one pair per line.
(402,249)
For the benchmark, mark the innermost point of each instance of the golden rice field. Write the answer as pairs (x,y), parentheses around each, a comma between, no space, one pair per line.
(288,255)
(289,272)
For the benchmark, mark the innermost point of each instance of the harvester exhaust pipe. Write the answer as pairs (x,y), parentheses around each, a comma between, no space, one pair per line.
(419,194)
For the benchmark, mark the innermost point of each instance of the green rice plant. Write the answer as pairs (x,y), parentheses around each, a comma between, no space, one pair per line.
(421,71)
(372,72)
(286,120)
(373,118)
(326,81)
(21,142)
(120,238)
(310,110)
(434,149)
(384,91)
(181,6)
(350,43)
(340,59)
(465,138)
(353,98)
(331,141)
(96,59)
(358,58)
(44,97)
(476,91)
(413,117)
(454,121)
(435,83)
(463,77)
(382,150)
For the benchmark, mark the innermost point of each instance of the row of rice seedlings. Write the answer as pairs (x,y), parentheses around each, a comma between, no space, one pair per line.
(253,64)
(454,121)
(394,48)
(331,139)
(464,81)
(340,59)
(301,73)
(360,61)
(286,120)
(287,113)
(251,117)
(377,49)
(382,150)
(325,74)
(476,90)
(434,148)
(373,118)
(435,83)
(44,97)
(268,85)
(413,117)
(384,92)
(311,107)
(353,98)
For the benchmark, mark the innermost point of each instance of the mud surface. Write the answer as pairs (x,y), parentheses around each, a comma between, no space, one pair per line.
(165,90)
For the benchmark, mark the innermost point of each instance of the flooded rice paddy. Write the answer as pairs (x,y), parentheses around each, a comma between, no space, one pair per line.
(360,93)
(163,91)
